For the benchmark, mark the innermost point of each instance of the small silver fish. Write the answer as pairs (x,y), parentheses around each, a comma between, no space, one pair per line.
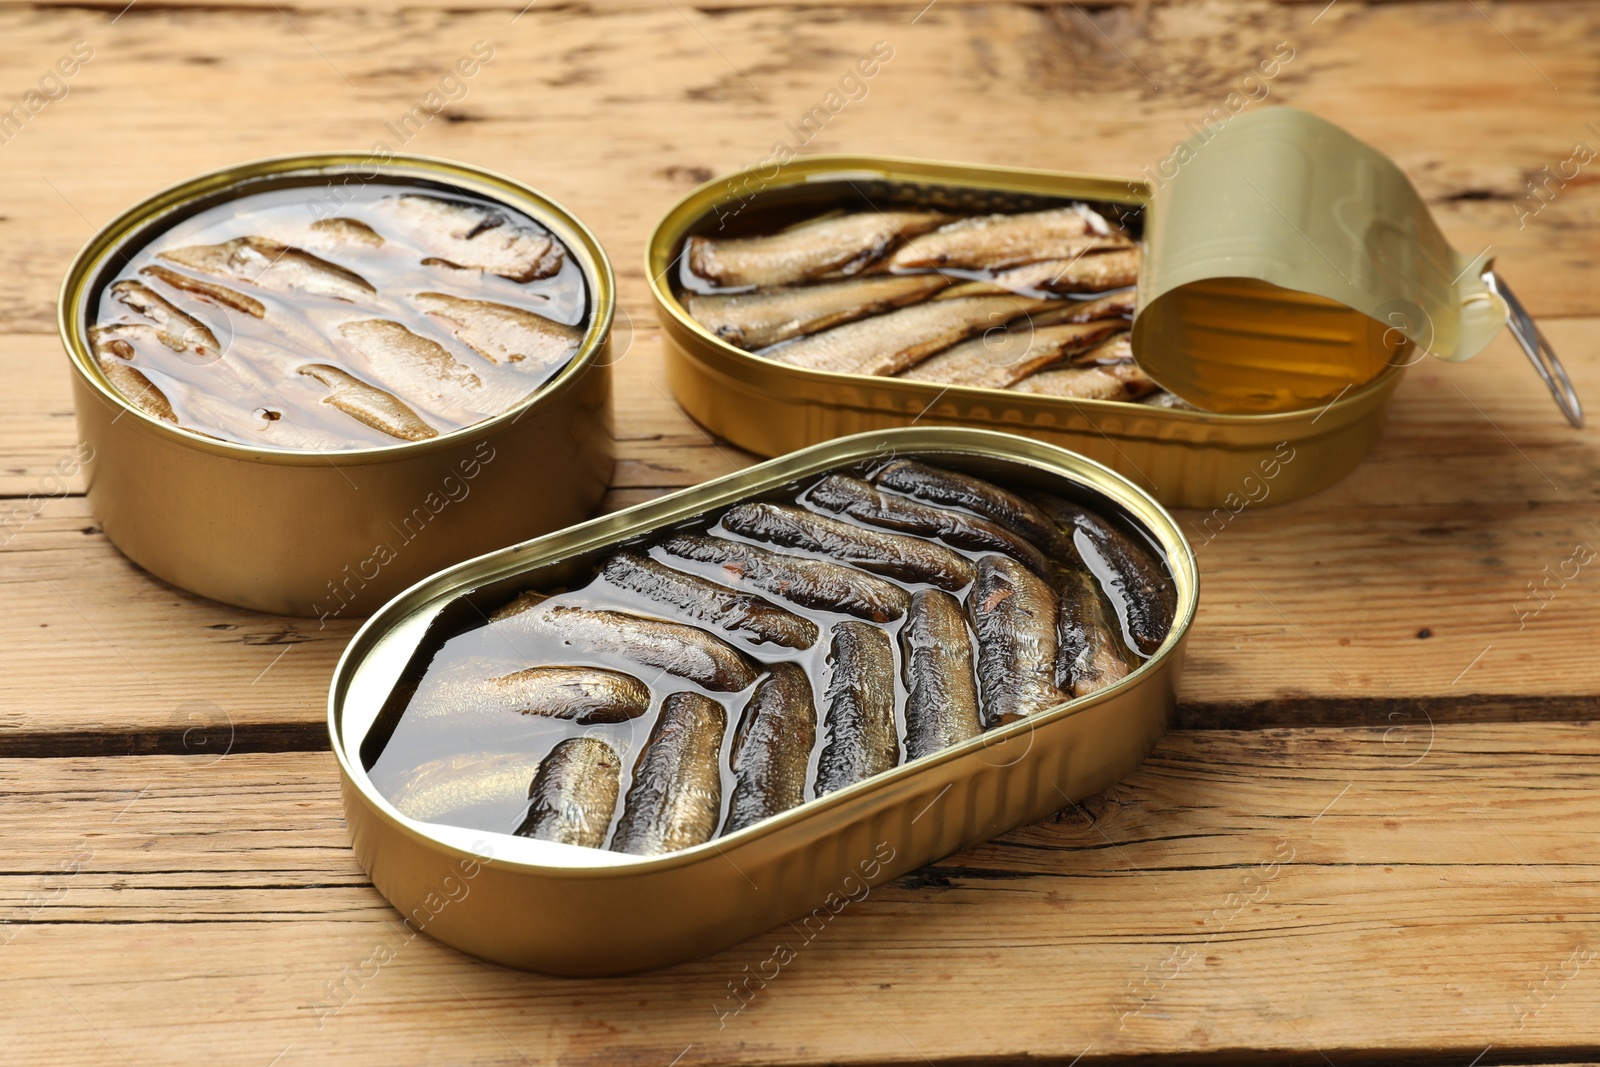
(1111,306)
(460,233)
(844,494)
(947,488)
(1134,578)
(1116,349)
(131,382)
(936,660)
(838,245)
(1089,652)
(273,265)
(860,695)
(173,328)
(751,617)
(219,294)
(343,231)
(910,559)
(410,364)
(686,651)
(574,793)
(676,795)
(439,789)
(1013,612)
(1117,305)
(582,694)
(1093,272)
(767,316)
(1111,381)
(810,583)
(995,242)
(368,404)
(772,748)
(503,334)
(1001,358)
(425,373)
(888,344)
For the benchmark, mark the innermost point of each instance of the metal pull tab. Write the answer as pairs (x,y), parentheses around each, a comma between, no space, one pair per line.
(1543,357)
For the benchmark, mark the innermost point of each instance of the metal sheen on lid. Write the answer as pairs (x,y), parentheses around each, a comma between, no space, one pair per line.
(1288,262)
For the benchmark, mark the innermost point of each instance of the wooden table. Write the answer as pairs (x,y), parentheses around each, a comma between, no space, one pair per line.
(1378,711)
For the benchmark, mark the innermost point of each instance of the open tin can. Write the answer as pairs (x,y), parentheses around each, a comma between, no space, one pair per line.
(1289,274)
(554,907)
(334,533)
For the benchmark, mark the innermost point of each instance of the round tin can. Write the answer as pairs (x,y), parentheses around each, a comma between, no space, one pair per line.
(335,534)
(567,909)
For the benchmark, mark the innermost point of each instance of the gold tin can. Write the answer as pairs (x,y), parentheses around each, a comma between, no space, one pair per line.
(335,534)
(1286,308)
(1184,458)
(570,910)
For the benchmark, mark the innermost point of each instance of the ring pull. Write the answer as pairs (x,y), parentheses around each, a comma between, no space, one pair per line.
(1540,354)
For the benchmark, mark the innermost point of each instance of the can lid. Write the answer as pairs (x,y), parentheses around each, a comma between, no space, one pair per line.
(1287,262)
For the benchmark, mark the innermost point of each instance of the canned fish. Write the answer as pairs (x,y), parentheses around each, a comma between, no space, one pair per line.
(839,294)
(309,381)
(660,732)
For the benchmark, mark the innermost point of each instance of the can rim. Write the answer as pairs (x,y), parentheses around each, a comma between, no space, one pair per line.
(420,602)
(694,205)
(71,317)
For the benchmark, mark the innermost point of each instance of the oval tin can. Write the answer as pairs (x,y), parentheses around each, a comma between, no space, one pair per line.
(1192,459)
(569,910)
(335,534)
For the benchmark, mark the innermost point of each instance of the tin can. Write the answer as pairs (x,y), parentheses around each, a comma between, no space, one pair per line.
(1292,351)
(335,534)
(569,910)
(1184,458)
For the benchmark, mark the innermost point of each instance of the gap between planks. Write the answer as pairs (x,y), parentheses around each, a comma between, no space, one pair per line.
(595,7)
(1415,716)
(1411,901)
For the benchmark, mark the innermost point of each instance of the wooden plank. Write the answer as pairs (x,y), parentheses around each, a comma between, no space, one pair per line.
(603,7)
(1432,897)
(1310,612)
(1358,894)
(617,114)
(509,7)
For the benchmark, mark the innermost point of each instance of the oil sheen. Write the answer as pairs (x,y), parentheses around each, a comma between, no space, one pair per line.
(766,654)
(294,319)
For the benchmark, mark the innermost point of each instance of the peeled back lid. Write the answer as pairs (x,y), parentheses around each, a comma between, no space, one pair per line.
(1286,262)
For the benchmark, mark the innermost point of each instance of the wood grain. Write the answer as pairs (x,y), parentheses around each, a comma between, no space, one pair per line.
(177,885)
(1413,892)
